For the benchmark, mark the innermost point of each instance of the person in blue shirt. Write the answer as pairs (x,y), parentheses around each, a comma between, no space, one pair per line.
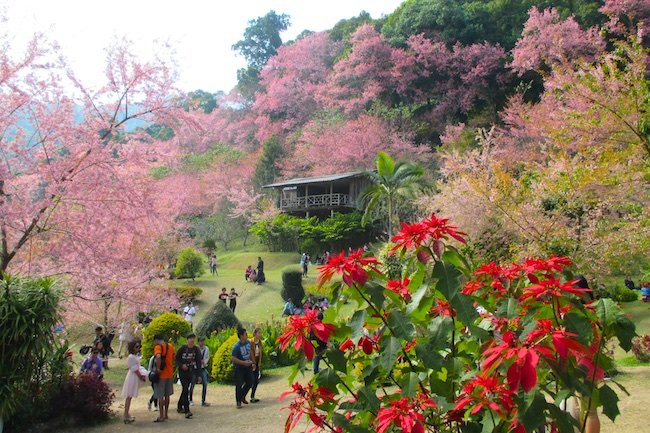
(93,364)
(243,367)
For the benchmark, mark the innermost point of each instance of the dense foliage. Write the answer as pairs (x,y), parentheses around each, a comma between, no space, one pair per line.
(446,347)
(292,285)
(189,264)
(222,368)
(188,293)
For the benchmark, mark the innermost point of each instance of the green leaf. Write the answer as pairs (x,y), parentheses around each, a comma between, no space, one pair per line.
(410,384)
(400,324)
(417,298)
(376,293)
(609,400)
(385,165)
(368,398)
(453,256)
(448,279)
(579,325)
(464,306)
(513,308)
(625,331)
(337,359)
(563,419)
(390,347)
(614,321)
(427,353)
(533,416)
(356,324)
(440,331)
(328,378)
(489,423)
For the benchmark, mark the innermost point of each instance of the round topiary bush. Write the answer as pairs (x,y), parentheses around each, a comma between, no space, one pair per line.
(219,317)
(170,325)
(189,264)
(292,285)
(222,369)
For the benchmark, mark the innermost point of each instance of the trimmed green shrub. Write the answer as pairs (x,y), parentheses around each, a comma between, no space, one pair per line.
(188,293)
(623,294)
(189,264)
(219,317)
(222,369)
(172,326)
(292,285)
(214,342)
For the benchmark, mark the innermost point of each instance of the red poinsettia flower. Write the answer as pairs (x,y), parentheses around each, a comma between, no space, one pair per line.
(471,287)
(485,392)
(406,413)
(351,268)
(400,287)
(552,264)
(551,287)
(524,370)
(306,400)
(442,308)
(347,344)
(413,236)
(301,328)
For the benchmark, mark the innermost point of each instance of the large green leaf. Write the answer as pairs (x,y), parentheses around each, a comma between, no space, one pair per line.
(609,400)
(385,165)
(448,279)
(356,324)
(336,358)
(532,416)
(579,325)
(440,331)
(390,348)
(563,419)
(400,324)
(328,378)
(376,293)
(368,398)
(464,306)
(409,384)
(614,321)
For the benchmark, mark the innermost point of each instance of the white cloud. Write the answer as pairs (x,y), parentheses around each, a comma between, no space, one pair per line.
(201,31)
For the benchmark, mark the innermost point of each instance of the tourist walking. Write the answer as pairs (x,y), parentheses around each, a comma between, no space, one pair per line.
(188,360)
(164,387)
(213,265)
(243,367)
(256,348)
(152,400)
(304,263)
(260,271)
(202,373)
(132,380)
(233,299)
(125,337)
(189,312)
(103,344)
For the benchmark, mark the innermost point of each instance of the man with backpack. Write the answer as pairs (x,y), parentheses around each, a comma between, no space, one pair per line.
(164,370)
(188,359)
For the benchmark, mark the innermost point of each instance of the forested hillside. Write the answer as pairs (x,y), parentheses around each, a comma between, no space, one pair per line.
(530,115)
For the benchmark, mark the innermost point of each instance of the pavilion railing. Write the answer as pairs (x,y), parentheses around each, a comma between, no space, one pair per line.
(320,201)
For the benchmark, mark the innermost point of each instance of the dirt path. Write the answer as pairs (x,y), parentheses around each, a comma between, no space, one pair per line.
(221,416)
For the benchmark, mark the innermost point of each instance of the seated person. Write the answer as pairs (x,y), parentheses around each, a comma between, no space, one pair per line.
(289,308)
(249,271)
(93,364)
(324,303)
(629,283)
(645,290)
(253,276)
(309,304)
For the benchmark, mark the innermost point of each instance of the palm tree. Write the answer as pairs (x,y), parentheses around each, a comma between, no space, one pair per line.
(392,184)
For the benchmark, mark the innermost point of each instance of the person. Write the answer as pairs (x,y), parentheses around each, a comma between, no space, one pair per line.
(304,262)
(310,303)
(260,271)
(320,346)
(256,356)
(152,400)
(203,372)
(103,344)
(243,367)
(645,291)
(132,380)
(253,277)
(233,299)
(324,303)
(289,308)
(164,366)
(249,271)
(326,257)
(581,281)
(223,296)
(93,364)
(125,337)
(213,265)
(189,312)
(188,360)
(629,283)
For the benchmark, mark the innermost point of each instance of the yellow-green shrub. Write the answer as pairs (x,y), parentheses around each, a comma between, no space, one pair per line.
(188,293)
(170,325)
(222,369)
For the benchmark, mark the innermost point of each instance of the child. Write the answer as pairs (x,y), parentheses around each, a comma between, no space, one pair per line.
(249,271)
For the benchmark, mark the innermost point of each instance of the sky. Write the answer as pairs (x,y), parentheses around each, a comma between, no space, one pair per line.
(200,32)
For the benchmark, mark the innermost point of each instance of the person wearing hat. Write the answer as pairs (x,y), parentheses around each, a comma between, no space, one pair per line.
(188,360)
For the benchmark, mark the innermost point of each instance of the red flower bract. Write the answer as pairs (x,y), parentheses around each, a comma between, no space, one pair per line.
(400,287)
(552,287)
(306,401)
(413,236)
(405,413)
(351,268)
(300,328)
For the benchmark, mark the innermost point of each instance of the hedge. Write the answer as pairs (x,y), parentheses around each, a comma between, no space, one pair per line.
(222,369)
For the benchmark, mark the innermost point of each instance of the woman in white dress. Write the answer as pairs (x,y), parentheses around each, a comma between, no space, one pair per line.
(133,378)
(125,337)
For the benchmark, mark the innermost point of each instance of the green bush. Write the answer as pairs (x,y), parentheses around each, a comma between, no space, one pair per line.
(292,285)
(188,293)
(189,264)
(222,369)
(214,342)
(29,311)
(170,325)
(272,355)
(623,294)
(218,318)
